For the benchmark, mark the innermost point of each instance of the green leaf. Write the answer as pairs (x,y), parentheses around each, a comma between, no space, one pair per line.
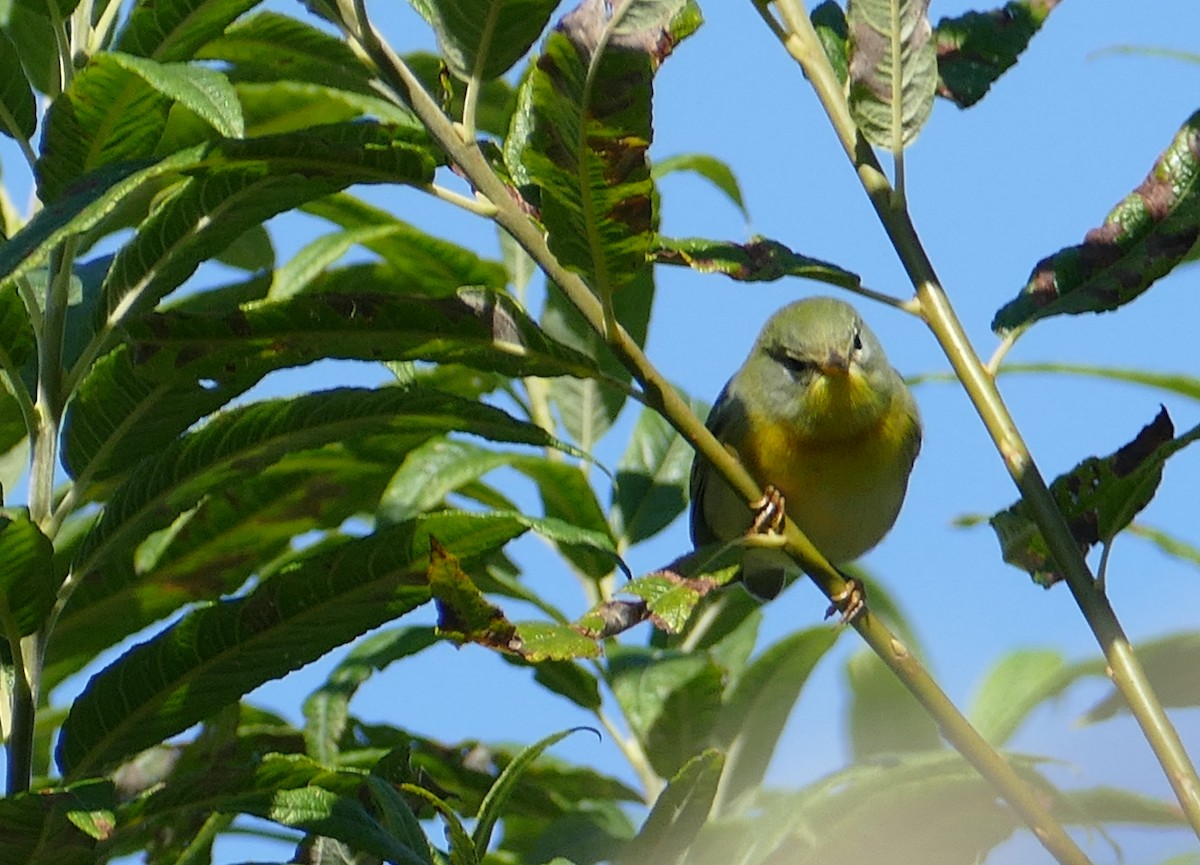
(679,813)
(893,70)
(484,38)
(1141,240)
(327,709)
(670,699)
(829,22)
(589,407)
(651,487)
(760,260)
(245,441)
(18,113)
(433,471)
(590,129)
(108,115)
(1182,385)
(885,718)
(268,47)
(167,30)
(244,182)
(566,495)
(715,171)
(252,251)
(1098,498)
(211,549)
(547,641)
(217,653)
(1167,543)
(428,264)
(498,794)
(1016,685)
(1169,663)
(28,582)
(756,709)
(976,48)
(43,827)
(497,99)
(32,34)
(671,599)
(205,92)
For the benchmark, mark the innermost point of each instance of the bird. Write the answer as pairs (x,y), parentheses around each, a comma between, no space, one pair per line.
(819,417)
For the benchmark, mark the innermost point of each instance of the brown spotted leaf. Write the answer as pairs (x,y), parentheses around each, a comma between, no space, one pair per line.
(1098,498)
(464,614)
(976,48)
(587,106)
(760,260)
(1141,240)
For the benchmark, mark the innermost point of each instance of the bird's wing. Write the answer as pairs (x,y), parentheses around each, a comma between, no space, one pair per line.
(720,418)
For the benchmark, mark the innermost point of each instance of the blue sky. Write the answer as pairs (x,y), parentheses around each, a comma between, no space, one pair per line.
(1060,139)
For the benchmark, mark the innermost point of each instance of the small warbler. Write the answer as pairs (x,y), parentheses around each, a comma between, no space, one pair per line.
(817,413)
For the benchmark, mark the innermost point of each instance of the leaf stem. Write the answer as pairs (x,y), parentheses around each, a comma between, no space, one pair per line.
(1126,671)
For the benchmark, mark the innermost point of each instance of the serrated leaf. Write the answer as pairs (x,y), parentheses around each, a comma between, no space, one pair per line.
(268,46)
(1141,240)
(39,829)
(211,549)
(671,599)
(715,171)
(760,260)
(885,718)
(243,183)
(547,641)
(245,441)
(28,582)
(1016,685)
(205,92)
(327,709)
(893,70)
(678,814)
(670,699)
(651,487)
(484,38)
(756,709)
(1098,498)
(16,96)
(590,129)
(976,48)
(433,264)
(217,653)
(167,30)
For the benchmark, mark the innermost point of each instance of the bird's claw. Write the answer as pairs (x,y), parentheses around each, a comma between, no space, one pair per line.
(851,601)
(769,512)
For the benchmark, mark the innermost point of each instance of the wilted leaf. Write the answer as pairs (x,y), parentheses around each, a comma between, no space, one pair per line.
(976,48)
(893,69)
(1098,498)
(464,614)
(1141,240)
(760,260)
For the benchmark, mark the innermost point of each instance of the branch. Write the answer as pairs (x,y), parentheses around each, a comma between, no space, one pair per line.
(801,41)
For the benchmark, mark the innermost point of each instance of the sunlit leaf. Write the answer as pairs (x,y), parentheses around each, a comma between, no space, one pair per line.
(205,92)
(715,171)
(167,30)
(484,38)
(1141,241)
(893,69)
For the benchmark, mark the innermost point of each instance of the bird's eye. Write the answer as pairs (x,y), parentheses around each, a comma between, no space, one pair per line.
(858,343)
(797,366)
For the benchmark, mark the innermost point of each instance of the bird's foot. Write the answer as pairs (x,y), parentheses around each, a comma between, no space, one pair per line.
(769,512)
(851,601)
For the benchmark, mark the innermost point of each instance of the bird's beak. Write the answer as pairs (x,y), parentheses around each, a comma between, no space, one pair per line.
(834,365)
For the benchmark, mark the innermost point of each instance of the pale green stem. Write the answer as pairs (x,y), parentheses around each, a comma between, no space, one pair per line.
(1126,671)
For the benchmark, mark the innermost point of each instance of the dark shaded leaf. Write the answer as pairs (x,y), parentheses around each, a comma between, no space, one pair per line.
(678,814)
(760,260)
(168,30)
(829,22)
(1098,498)
(1141,240)
(976,48)
(464,614)
(484,38)
(217,653)
(44,827)
(16,96)
(28,581)
(893,69)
